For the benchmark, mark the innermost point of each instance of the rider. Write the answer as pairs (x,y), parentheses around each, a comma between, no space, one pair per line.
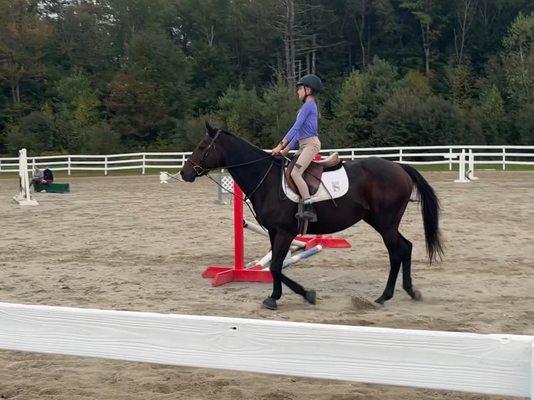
(304,132)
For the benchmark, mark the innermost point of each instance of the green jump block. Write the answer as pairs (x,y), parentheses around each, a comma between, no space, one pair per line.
(52,188)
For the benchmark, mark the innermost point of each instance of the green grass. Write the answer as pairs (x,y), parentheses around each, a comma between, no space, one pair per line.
(515,167)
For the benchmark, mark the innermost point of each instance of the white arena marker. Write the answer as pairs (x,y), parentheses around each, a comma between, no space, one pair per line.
(471,172)
(462,176)
(24,197)
(163,177)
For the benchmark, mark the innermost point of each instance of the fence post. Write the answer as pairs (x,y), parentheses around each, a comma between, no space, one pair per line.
(400,155)
(68,165)
(105,165)
(532,372)
(352,155)
(503,159)
(471,171)
(450,159)
(461,168)
(144,160)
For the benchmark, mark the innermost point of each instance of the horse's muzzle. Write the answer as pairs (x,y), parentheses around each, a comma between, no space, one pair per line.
(188,176)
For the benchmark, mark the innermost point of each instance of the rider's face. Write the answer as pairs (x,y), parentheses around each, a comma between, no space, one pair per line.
(301,92)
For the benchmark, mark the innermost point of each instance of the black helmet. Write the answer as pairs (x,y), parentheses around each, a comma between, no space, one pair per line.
(312,81)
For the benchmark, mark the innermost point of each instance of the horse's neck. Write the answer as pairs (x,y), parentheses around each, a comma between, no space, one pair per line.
(249,176)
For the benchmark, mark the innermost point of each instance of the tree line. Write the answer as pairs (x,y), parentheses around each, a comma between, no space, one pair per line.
(105,76)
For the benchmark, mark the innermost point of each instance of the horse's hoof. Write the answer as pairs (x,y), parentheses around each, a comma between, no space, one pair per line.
(380,300)
(269,303)
(310,296)
(415,294)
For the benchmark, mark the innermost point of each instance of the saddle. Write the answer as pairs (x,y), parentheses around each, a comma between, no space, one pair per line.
(312,174)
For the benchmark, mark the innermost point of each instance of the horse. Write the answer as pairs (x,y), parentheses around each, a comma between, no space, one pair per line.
(379,192)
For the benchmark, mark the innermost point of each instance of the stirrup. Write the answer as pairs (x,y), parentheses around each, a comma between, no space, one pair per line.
(306,216)
(306,212)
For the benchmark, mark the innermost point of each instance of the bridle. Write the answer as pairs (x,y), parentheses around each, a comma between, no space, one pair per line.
(198,168)
(201,170)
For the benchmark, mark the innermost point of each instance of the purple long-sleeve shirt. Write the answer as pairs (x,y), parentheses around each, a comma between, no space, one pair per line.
(305,126)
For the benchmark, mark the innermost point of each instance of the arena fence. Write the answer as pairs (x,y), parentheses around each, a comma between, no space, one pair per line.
(498,156)
(490,364)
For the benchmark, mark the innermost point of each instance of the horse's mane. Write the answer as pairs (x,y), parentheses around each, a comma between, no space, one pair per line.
(252,146)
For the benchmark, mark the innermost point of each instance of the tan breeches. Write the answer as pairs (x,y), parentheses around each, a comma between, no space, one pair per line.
(308,148)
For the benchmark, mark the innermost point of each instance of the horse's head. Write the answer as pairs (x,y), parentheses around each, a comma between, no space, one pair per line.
(204,158)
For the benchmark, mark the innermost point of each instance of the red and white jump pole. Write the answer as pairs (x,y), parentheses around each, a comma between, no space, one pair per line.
(238,273)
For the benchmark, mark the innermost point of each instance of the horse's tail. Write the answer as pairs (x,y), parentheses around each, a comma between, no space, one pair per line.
(430,209)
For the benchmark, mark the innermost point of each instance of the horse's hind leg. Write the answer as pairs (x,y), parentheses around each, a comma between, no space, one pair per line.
(406,269)
(400,253)
(394,244)
(280,243)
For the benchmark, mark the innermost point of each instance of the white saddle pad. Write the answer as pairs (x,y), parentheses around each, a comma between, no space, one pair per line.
(334,184)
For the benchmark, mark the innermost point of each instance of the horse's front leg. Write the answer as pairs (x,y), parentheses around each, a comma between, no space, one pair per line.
(280,244)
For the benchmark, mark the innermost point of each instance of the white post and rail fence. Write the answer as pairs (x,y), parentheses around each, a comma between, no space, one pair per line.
(495,157)
(479,363)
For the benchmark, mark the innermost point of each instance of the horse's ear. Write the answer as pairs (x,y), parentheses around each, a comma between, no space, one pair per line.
(210,130)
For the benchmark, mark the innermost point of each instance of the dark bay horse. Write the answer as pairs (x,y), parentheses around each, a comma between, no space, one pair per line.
(379,192)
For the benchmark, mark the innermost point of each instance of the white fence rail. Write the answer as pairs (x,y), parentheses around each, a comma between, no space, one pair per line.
(499,156)
(491,364)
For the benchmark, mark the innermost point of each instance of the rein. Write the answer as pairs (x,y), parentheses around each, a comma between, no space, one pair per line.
(247,197)
(200,171)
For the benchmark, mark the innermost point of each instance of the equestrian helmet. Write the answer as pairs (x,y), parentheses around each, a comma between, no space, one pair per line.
(312,81)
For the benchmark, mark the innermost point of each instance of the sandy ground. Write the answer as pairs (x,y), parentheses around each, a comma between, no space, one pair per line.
(129,243)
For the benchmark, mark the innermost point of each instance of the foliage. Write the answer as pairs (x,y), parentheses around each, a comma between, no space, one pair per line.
(407,119)
(241,112)
(461,84)
(100,139)
(523,126)
(416,83)
(518,59)
(492,116)
(362,94)
(279,112)
(120,75)
(36,132)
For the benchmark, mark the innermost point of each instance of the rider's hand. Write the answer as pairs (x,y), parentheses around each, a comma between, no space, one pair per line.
(276,151)
(285,151)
